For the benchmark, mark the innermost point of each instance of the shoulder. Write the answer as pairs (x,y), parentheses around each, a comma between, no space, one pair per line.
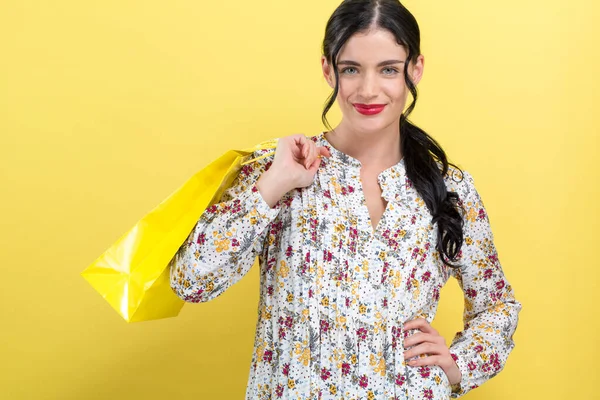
(459,181)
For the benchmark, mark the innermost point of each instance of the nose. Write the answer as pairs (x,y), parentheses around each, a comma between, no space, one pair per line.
(368,86)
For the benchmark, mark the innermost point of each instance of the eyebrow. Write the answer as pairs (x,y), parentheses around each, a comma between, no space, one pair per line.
(381,64)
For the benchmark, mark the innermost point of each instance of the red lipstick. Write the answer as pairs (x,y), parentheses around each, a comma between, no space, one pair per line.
(369,109)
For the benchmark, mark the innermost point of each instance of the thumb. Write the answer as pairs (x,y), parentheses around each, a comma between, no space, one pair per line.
(315,166)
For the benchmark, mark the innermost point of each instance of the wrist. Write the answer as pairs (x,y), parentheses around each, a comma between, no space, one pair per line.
(272,186)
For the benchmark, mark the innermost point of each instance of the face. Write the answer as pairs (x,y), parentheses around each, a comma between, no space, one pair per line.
(371,72)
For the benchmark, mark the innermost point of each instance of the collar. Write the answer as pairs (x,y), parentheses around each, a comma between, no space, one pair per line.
(393,180)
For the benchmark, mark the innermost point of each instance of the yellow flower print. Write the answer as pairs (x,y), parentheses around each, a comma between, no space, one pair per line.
(325,301)
(396,279)
(303,353)
(468,305)
(284,270)
(290,297)
(332,389)
(222,245)
(362,309)
(370,395)
(291,383)
(472,214)
(378,364)
(468,240)
(210,286)
(339,228)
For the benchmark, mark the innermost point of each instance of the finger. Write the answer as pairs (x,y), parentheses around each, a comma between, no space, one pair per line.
(431,360)
(324,151)
(420,323)
(312,156)
(421,337)
(424,348)
(315,165)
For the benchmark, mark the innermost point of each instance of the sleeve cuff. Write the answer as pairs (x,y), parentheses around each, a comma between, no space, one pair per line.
(461,388)
(264,211)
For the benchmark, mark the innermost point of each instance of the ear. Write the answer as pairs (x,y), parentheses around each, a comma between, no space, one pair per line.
(327,72)
(416,69)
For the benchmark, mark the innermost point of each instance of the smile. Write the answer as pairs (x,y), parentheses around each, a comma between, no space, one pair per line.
(369,109)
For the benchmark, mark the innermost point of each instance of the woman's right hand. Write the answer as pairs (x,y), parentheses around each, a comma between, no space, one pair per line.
(297,159)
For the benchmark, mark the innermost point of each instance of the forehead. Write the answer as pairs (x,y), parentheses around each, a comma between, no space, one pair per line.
(371,47)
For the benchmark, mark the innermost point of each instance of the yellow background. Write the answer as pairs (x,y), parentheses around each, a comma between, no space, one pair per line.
(106,107)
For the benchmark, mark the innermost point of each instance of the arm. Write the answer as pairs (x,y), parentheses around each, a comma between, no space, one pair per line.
(224,243)
(491,310)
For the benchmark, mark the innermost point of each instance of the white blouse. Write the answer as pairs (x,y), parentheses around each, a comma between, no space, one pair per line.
(335,293)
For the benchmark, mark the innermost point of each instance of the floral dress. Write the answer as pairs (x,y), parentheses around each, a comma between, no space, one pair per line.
(335,292)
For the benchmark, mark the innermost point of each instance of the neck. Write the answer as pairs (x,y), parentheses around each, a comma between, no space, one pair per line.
(375,150)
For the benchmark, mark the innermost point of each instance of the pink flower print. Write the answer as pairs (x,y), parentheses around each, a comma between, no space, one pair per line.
(400,379)
(426,276)
(488,273)
(325,374)
(345,368)
(481,215)
(288,251)
(364,381)
(270,290)
(286,369)
(327,255)
(201,239)
(472,366)
(500,284)
(427,393)
(327,194)
(235,242)
(454,357)
(268,356)
(362,333)
(436,293)
(478,348)
(424,371)
(246,170)
(324,325)
(470,292)
(385,302)
(485,367)
(282,333)
(350,189)
(279,390)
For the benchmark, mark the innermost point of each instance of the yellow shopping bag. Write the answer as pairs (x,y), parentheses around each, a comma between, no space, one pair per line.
(133,274)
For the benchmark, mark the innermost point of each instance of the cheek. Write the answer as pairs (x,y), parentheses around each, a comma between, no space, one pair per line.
(396,89)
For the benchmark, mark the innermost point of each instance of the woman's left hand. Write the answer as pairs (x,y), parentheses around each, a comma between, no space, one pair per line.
(429,341)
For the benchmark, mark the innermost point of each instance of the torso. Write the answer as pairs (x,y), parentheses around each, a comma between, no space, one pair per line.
(372,191)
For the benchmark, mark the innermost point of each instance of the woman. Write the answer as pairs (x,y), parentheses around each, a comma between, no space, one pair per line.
(357,229)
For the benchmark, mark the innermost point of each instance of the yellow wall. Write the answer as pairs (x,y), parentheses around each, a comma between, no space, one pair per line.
(107,106)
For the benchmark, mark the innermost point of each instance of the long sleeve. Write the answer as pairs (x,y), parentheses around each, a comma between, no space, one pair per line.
(224,243)
(491,309)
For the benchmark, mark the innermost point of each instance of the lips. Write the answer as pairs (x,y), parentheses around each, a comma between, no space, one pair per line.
(369,109)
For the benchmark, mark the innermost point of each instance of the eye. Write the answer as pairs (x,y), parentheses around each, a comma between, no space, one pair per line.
(392,71)
(345,70)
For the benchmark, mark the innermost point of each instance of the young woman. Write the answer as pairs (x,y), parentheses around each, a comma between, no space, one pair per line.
(357,229)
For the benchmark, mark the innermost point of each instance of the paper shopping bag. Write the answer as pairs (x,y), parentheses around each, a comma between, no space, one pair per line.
(133,274)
